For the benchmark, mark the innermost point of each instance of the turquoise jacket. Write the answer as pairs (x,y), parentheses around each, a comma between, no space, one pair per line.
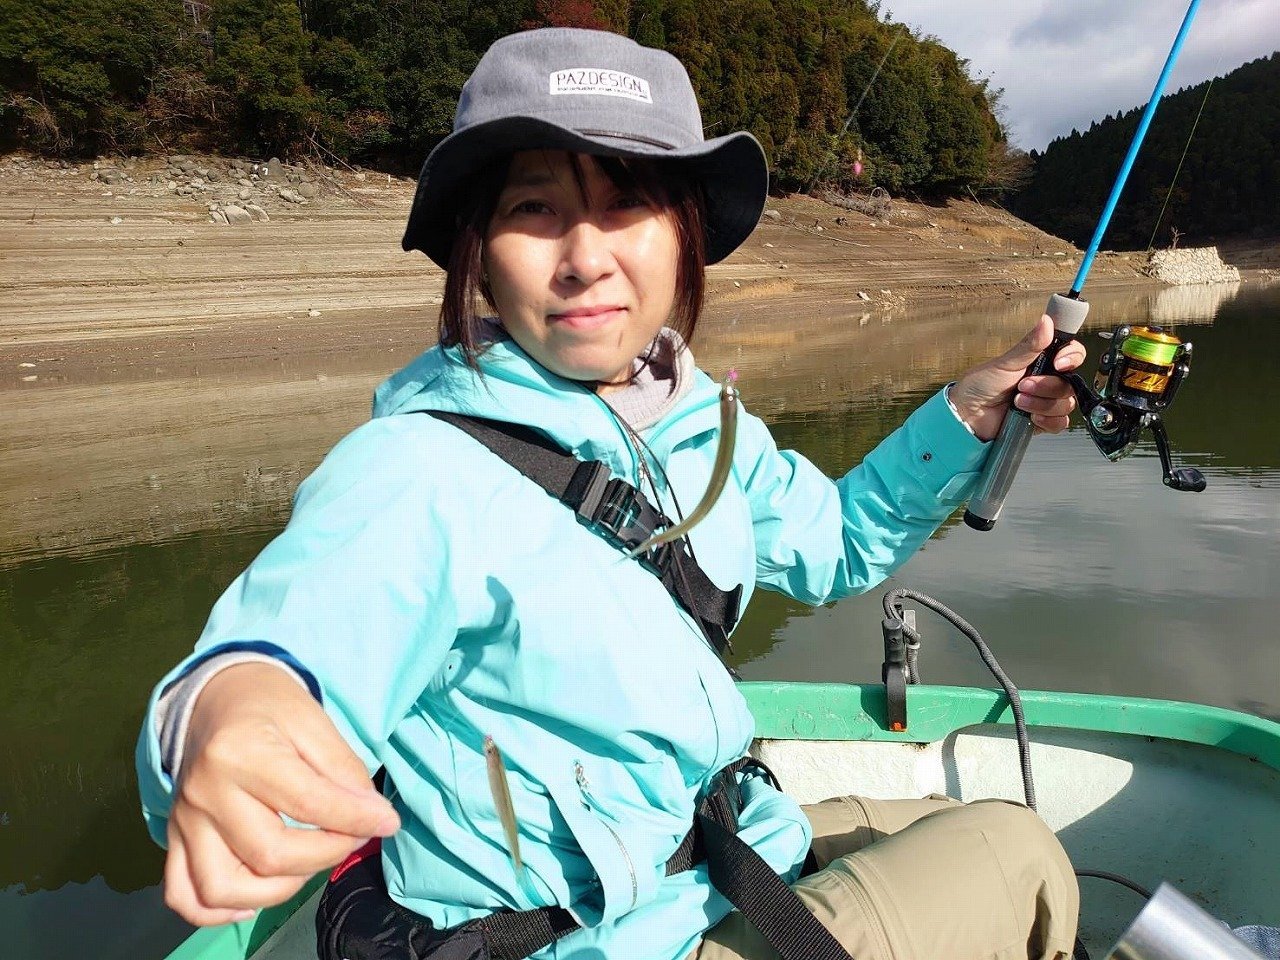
(433,595)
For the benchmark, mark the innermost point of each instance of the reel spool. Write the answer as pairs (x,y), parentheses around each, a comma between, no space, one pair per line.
(1142,369)
(1138,376)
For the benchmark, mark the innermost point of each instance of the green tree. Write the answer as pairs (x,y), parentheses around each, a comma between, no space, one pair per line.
(422,52)
(891,124)
(259,58)
(962,128)
(349,93)
(75,74)
(644,23)
(379,79)
(1229,182)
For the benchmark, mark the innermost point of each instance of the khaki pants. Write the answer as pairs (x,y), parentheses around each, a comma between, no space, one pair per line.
(928,879)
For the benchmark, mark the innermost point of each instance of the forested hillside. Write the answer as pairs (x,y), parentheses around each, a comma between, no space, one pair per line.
(372,81)
(1230,180)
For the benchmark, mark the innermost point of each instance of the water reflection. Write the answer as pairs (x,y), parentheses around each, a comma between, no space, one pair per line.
(129,505)
(852,359)
(45,925)
(158,459)
(1097,577)
(1191,304)
(88,467)
(83,640)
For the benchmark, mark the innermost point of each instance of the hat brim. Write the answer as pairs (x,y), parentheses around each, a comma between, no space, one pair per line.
(732,170)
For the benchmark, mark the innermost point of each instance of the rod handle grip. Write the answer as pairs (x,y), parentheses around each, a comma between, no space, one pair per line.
(1010,445)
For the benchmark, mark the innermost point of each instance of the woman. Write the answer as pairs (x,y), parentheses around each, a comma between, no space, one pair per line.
(427,595)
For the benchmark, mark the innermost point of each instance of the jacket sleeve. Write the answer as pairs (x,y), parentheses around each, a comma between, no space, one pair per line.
(819,540)
(356,594)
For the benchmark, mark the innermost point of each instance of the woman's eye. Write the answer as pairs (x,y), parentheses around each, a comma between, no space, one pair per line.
(630,201)
(531,206)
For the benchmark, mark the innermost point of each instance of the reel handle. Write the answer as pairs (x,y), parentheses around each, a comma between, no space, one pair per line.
(1186,479)
(1115,428)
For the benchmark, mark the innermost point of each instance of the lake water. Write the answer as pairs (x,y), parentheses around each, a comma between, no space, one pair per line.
(129,504)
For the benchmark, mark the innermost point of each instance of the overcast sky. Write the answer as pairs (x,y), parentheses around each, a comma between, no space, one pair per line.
(1065,63)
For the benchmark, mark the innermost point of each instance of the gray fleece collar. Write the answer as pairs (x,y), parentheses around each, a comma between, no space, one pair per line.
(660,378)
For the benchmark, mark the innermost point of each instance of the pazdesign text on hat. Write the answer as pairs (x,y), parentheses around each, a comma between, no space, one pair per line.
(608,83)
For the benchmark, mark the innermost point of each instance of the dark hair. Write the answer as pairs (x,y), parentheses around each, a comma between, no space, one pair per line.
(661,185)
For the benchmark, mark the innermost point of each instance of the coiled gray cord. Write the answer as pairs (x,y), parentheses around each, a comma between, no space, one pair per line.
(893,608)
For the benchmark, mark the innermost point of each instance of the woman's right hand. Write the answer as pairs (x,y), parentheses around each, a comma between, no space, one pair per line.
(259,745)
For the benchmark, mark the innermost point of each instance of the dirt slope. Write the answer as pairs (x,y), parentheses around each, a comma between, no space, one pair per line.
(106,272)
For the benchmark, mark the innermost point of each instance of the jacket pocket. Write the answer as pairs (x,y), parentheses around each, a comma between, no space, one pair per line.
(589,801)
(620,858)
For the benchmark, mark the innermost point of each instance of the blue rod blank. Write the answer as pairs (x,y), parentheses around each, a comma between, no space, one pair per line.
(1105,220)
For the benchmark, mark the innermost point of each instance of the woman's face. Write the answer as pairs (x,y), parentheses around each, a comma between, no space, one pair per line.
(583,279)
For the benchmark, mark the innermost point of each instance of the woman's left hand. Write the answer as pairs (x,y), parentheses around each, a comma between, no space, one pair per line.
(982,395)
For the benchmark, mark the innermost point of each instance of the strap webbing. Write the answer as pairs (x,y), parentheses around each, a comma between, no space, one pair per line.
(760,895)
(737,871)
(358,919)
(509,932)
(515,935)
(530,452)
(613,509)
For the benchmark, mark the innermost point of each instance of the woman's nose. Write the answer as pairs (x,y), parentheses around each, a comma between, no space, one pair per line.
(585,256)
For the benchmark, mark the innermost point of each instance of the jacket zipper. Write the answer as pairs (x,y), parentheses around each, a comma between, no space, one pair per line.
(613,418)
(589,801)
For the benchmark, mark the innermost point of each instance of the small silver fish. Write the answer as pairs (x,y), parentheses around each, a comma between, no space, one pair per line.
(501,791)
(720,470)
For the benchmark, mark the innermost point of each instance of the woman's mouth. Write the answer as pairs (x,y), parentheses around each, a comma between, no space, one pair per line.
(588,318)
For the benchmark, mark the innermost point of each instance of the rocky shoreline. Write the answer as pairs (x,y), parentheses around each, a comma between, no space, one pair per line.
(234,190)
(1189,266)
(159,351)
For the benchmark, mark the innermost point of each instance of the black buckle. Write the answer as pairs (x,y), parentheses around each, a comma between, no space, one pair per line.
(618,510)
(723,801)
(893,674)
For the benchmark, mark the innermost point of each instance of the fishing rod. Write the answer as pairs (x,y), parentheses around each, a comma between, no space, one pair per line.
(1137,376)
(848,121)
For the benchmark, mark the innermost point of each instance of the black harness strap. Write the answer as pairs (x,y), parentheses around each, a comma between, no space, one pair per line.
(616,511)
(515,935)
(356,918)
(760,895)
(736,870)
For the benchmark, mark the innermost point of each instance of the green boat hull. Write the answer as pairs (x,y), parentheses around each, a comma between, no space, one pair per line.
(1147,788)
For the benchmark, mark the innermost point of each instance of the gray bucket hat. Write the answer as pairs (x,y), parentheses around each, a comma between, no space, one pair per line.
(586,91)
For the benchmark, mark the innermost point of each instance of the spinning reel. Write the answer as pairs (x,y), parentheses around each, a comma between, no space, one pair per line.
(1137,377)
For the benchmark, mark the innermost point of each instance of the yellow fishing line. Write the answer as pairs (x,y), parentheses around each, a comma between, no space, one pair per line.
(1158,348)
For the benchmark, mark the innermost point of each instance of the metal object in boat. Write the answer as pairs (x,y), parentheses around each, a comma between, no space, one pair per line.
(1173,927)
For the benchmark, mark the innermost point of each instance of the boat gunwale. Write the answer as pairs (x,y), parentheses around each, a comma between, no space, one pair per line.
(790,710)
(794,710)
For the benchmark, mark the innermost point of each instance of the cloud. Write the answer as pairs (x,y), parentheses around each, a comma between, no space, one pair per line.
(1065,63)
(1063,26)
